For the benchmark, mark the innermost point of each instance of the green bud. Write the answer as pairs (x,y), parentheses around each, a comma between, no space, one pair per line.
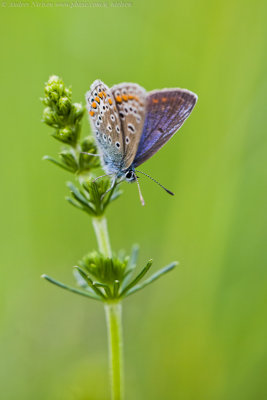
(64,105)
(61,89)
(61,113)
(49,117)
(53,79)
(86,161)
(55,89)
(66,135)
(103,269)
(78,111)
(93,197)
(68,92)
(54,96)
(105,279)
(88,144)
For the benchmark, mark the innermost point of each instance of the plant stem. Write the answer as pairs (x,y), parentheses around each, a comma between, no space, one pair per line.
(101,231)
(113,317)
(114,325)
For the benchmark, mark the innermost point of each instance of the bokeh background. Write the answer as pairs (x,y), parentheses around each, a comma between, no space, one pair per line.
(201,332)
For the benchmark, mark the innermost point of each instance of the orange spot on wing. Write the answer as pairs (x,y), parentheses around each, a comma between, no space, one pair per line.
(92,113)
(110,101)
(124,97)
(164,99)
(131,97)
(104,93)
(97,99)
(155,101)
(118,99)
(94,105)
(100,94)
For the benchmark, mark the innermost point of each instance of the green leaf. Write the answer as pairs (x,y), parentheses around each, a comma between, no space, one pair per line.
(154,277)
(116,287)
(79,196)
(69,288)
(105,287)
(68,157)
(75,204)
(138,278)
(96,198)
(88,209)
(90,282)
(106,197)
(131,265)
(52,160)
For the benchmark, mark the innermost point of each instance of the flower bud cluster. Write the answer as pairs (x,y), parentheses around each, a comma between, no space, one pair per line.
(60,113)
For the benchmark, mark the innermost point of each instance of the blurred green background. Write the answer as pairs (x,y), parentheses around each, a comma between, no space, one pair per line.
(201,332)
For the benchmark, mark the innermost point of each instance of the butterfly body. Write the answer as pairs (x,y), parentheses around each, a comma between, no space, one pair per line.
(131,125)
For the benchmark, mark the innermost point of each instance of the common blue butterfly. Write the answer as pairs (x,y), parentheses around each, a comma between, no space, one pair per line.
(131,125)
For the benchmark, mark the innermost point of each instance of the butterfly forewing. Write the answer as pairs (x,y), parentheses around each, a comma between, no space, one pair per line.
(166,111)
(106,124)
(130,101)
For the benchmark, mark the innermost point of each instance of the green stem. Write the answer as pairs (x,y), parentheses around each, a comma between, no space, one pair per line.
(114,325)
(101,231)
(113,317)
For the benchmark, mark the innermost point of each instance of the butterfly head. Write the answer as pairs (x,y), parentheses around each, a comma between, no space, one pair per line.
(129,175)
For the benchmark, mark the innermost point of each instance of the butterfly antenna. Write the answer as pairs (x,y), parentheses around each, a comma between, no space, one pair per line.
(154,180)
(140,193)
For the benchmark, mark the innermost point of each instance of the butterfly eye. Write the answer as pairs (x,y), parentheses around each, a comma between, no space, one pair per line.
(129,175)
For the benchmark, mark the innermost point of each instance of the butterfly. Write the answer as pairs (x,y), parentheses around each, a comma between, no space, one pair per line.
(130,125)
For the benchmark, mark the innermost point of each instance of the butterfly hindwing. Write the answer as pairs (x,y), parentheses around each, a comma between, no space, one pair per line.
(166,111)
(106,125)
(130,101)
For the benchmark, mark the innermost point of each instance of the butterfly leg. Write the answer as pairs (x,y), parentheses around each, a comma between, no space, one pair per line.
(113,183)
(90,154)
(101,176)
